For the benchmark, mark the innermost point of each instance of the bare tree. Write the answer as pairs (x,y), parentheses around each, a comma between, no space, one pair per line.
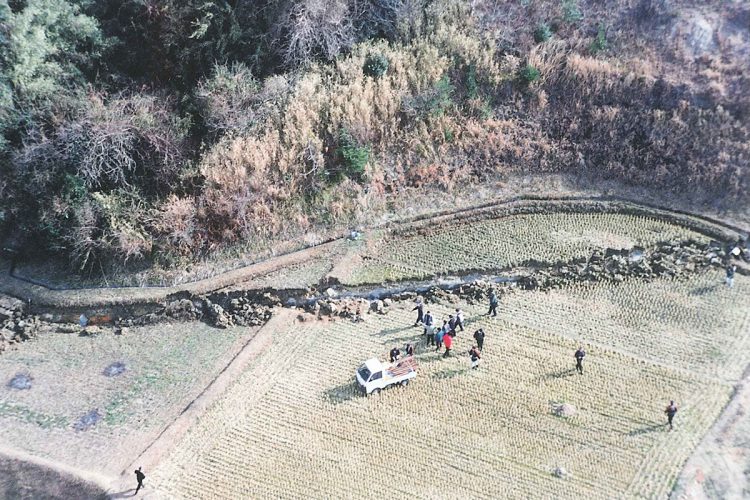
(125,137)
(311,29)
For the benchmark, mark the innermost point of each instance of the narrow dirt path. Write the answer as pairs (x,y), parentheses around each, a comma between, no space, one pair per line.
(720,465)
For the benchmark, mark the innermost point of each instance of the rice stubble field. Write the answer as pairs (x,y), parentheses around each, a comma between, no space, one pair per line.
(294,426)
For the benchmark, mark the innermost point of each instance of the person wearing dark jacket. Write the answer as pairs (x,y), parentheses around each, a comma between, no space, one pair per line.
(579,355)
(451,325)
(420,312)
(670,411)
(395,354)
(440,335)
(475,356)
(139,476)
(479,337)
(493,304)
(409,350)
(428,321)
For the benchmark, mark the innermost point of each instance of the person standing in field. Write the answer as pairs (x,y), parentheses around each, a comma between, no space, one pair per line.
(579,355)
(670,411)
(460,319)
(448,341)
(428,321)
(475,356)
(452,325)
(420,312)
(430,332)
(479,337)
(493,304)
(395,354)
(139,476)
(731,268)
(440,335)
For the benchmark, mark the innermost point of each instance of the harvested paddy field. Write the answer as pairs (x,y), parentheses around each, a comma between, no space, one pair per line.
(294,426)
(502,244)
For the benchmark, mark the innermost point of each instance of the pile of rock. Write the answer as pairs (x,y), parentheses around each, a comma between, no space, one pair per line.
(225,312)
(439,295)
(239,311)
(668,259)
(561,472)
(565,410)
(15,325)
(183,310)
(478,292)
(349,308)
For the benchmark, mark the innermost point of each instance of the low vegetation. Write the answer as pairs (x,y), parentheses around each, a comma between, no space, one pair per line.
(158,133)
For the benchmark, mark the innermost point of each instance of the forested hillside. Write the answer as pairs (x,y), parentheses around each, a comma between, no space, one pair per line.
(162,130)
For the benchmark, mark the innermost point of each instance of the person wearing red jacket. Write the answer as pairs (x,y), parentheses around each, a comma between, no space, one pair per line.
(448,342)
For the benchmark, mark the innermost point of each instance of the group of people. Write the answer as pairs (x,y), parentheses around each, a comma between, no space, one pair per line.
(443,335)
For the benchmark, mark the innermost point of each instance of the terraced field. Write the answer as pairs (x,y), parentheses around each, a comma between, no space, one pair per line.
(293,426)
(504,243)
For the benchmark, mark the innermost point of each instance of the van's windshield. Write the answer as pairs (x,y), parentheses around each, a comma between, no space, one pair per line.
(364,372)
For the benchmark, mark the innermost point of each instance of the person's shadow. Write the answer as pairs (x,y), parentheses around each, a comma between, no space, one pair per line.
(559,374)
(647,429)
(390,331)
(122,494)
(703,290)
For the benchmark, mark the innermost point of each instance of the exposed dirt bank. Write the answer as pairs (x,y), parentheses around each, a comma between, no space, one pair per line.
(27,477)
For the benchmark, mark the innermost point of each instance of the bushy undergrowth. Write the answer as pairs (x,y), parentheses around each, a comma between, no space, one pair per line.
(435,100)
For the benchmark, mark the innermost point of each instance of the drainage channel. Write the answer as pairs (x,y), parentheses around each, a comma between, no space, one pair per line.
(448,283)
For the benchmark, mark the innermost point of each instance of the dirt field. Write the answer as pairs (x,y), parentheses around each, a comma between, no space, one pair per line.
(293,425)
(81,412)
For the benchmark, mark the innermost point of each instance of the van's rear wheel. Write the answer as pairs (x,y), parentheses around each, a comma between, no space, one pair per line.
(404,383)
(375,392)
